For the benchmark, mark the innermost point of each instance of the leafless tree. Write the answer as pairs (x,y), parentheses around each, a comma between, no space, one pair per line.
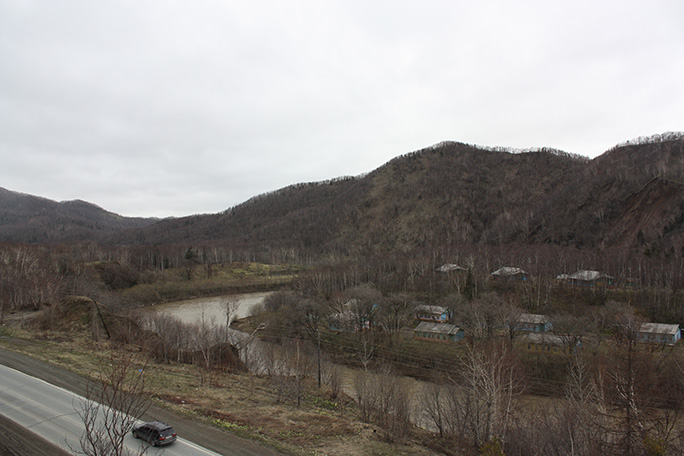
(300,364)
(230,304)
(623,379)
(363,395)
(489,389)
(383,399)
(396,312)
(112,406)
(332,376)
(481,316)
(392,405)
(571,329)
(206,336)
(510,317)
(434,403)
(366,350)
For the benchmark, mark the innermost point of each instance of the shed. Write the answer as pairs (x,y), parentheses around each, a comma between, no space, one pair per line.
(437,332)
(534,323)
(509,273)
(437,314)
(449,267)
(659,333)
(550,344)
(588,278)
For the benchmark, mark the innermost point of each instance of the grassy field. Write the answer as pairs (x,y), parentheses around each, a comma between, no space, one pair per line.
(174,285)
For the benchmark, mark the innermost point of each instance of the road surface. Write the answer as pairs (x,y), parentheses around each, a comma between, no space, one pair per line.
(48,411)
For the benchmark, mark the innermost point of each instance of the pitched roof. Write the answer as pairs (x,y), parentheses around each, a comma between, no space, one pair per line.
(508,271)
(659,328)
(536,319)
(587,276)
(437,328)
(435,310)
(544,338)
(450,267)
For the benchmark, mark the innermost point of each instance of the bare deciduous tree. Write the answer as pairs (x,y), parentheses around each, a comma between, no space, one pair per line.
(434,405)
(112,406)
(383,399)
(230,304)
(490,388)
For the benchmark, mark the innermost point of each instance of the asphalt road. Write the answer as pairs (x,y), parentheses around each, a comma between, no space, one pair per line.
(37,408)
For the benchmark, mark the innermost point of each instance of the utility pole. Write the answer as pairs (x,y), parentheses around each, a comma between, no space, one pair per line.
(318,331)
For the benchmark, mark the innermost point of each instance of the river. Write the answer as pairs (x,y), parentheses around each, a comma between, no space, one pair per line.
(212,309)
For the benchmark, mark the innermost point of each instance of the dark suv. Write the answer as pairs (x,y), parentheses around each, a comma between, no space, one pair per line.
(155,433)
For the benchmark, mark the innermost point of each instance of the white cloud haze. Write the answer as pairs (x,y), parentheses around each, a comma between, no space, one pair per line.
(158,107)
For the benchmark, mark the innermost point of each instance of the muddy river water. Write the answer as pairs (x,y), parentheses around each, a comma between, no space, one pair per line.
(213,311)
(192,310)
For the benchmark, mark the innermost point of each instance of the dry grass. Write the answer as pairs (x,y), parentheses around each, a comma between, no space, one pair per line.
(239,403)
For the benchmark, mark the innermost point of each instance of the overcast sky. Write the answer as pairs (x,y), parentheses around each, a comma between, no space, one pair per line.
(171,108)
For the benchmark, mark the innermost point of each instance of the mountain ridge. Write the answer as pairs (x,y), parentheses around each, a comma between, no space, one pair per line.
(450,193)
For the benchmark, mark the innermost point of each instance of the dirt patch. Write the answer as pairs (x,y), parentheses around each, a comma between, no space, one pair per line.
(647,213)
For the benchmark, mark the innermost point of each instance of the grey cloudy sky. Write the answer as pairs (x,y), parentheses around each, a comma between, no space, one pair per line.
(170,108)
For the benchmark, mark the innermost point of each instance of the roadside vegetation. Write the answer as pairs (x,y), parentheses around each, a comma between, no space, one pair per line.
(250,406)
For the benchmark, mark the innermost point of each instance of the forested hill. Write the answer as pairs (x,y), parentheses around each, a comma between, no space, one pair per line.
(454,194)
(31,219)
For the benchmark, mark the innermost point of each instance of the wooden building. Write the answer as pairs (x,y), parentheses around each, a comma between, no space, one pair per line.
(659,333)
(509,273)
(549,344)
(533,323)
(435,314)
(437,332)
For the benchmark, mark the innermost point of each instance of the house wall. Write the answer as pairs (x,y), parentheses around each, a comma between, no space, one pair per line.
(547,349)
(655,338)
(434,337)
(432,318)
(531,327)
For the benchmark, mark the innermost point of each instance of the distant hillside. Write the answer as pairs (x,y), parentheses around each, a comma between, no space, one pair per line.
(31,219)
(446,195)
(453,194)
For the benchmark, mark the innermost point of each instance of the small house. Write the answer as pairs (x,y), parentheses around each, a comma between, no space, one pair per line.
(533,323)
(437,332)
(346,321)
(550,344)
(436,314)
(352,318)
(659,333)
(450,267)
(589,279)
(509,273)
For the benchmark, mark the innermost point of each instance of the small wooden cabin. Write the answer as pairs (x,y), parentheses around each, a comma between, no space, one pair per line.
(659,333)
(437,332)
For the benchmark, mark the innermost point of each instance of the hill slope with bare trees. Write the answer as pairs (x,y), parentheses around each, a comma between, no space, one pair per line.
(446,195)
(453,194)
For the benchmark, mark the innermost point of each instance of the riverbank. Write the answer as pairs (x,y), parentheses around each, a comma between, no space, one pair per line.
(180,284)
